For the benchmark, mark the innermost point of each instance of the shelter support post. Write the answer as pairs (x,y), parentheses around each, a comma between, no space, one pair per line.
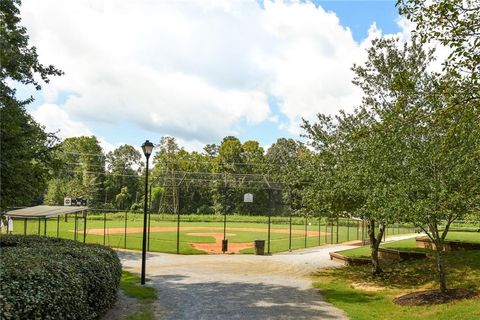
(25,226)
(58,226)
(39,220)
(85,215)
(45,226)
(76,226)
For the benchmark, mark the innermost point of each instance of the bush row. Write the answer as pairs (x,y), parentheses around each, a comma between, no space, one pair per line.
(49,278)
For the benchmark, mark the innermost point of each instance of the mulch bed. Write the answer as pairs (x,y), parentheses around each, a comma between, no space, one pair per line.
(429,297)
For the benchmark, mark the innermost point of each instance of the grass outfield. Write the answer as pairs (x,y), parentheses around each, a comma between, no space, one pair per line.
(364,297)
(165,241)
(410,245)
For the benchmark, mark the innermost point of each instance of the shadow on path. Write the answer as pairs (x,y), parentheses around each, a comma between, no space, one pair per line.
(185,297)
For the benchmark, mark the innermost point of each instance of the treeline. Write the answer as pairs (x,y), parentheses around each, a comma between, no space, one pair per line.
(115,180)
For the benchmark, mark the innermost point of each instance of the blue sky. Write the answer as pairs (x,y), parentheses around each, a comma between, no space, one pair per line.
(198,70)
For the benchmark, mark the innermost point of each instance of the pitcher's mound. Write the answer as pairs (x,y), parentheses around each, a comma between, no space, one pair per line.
(215,248)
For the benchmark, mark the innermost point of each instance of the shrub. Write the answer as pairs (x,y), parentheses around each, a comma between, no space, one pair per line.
(49,278)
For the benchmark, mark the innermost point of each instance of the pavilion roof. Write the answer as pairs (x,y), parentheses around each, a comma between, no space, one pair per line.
(44,211)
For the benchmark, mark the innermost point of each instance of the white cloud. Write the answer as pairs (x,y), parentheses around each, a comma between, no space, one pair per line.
(194,69)
(56,120)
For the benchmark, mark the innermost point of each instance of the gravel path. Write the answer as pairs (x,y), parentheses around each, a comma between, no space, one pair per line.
(237,286)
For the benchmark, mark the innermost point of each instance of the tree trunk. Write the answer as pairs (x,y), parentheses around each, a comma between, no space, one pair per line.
(441,267)
(374,244)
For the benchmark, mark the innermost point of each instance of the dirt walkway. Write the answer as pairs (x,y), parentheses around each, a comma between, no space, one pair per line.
(238,286)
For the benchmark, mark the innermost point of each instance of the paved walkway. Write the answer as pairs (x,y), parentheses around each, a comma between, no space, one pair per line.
(238,286)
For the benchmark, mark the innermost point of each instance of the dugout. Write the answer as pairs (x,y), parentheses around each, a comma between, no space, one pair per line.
(39,213)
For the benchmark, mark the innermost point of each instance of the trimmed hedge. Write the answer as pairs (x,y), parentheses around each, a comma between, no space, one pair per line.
(50,278)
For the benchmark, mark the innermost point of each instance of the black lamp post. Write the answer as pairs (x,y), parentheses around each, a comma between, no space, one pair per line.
(147,148)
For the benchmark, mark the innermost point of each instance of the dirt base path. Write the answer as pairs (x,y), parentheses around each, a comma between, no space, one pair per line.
(99,231)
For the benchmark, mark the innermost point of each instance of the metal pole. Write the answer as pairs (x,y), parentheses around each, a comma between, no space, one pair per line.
(58,226)
(269,218)
(358,230)
(331,232)
(144,240)
(348,229)
(178,223)
(326,230)
(85,214)
(224,213)
(104,226)
(125,234)
(290,233)
(363,231)
(45,227)
(149,215)
(306,222)
(337,229)
(319,224)
(39,226)
(25,227)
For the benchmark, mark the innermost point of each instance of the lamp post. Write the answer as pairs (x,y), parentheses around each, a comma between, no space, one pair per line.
(147,148)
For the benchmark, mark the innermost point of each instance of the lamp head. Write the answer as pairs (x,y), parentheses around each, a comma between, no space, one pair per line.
(147,148)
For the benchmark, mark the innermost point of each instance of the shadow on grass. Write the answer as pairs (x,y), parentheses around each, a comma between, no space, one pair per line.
(461,269)
(350,296)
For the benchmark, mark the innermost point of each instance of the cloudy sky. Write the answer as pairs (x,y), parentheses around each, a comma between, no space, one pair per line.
(198,70)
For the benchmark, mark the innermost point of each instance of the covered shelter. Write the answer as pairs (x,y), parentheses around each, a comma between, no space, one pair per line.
(39,213)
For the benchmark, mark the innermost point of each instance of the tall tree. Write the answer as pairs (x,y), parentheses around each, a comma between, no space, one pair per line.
(360,152)
(124,165)
(455,24)
(24,146)
(82,168)
(441,164)
(286,160)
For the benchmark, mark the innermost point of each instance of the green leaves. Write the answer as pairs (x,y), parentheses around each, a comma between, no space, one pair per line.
(49,278)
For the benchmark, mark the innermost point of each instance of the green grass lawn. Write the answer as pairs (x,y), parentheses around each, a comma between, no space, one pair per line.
(403,245)
(364,297)
(165,241)
(464,236)
(410,245)
(130,285)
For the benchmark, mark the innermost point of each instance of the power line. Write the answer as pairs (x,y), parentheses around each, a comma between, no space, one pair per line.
(178,161)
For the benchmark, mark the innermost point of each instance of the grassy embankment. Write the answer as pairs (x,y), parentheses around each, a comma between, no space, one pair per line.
(363,296)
